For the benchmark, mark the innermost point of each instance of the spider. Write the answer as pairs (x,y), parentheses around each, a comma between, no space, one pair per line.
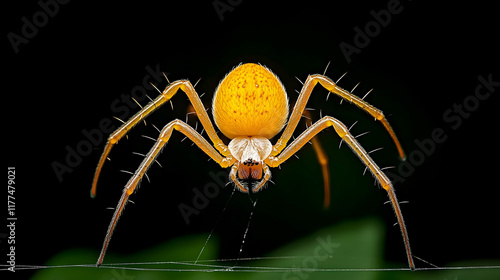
(250,106)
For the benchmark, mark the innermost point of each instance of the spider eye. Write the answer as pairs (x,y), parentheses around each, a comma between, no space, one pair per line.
(250,162)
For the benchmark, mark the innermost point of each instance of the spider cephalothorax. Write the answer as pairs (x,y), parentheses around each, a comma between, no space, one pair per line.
(250,106)
(250,153)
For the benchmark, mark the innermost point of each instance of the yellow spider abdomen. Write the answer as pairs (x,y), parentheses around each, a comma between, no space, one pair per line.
(250,101)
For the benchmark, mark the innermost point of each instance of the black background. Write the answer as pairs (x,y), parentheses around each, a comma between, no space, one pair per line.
(427,59)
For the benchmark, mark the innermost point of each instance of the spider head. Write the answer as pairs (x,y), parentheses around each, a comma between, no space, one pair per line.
(250,153)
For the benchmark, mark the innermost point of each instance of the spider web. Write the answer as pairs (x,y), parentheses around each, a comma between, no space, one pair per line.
(217,265)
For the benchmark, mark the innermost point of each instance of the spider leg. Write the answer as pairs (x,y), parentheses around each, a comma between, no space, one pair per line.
(166,95)
(323,161)
(133,182)
(330,85)
(346,136)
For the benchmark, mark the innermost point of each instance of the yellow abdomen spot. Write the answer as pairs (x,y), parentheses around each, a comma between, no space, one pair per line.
(250,101)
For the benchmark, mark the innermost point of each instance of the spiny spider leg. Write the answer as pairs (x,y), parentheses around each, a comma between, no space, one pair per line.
(133,182)
(166,95)
(328,84)
(347,137)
